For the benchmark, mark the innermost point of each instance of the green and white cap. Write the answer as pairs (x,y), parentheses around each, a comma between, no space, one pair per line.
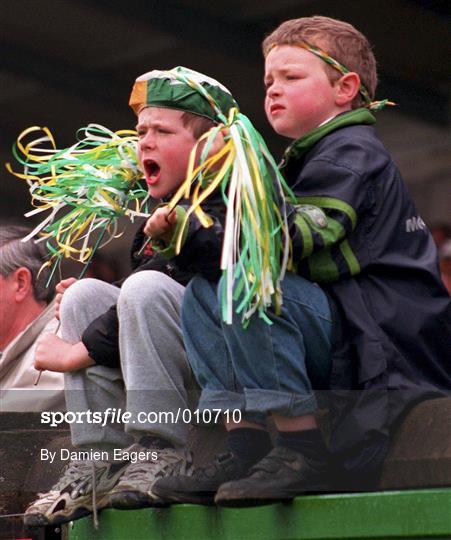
(184,89)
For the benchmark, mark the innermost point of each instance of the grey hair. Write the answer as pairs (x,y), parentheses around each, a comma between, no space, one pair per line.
(16,254)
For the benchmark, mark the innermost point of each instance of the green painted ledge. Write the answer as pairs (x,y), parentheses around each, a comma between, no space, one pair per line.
(390,514)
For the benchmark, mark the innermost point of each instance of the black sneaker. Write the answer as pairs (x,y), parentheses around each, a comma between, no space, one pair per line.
(282,474)
(200,488)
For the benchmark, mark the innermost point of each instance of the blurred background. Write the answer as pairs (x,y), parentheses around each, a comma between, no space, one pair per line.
(66,63)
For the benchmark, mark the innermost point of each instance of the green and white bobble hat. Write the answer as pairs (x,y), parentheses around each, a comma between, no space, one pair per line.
(184,89)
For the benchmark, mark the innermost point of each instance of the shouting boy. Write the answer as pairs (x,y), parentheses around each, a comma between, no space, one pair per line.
(122,348)
(376,329)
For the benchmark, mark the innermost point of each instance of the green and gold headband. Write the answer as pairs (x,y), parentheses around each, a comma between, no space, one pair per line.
(184,89)
(372,105)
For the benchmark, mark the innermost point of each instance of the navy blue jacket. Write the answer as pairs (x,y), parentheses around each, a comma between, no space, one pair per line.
(371,252)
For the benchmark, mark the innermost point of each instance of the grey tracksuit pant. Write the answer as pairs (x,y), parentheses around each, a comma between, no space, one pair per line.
(154,376)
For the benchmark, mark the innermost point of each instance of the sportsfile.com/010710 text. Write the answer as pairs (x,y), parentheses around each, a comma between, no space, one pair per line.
(113,416)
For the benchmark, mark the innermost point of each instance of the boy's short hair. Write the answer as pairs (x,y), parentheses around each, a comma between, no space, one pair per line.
(197,124)
(338,39)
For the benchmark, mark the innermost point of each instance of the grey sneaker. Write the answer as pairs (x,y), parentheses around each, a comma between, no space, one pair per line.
(134,489)
(73,497)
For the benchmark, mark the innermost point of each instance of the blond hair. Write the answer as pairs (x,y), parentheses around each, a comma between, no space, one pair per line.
(338,39)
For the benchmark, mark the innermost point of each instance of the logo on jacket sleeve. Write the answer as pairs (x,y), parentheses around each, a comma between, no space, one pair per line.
(415,224)
(314,214)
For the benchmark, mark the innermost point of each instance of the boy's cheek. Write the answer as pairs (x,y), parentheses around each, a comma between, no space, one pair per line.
(272,121)
(282,129)
(269,116)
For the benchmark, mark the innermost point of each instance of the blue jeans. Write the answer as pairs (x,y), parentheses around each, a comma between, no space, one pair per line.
(264,368)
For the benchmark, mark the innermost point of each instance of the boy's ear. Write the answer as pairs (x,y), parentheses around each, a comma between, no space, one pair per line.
(347,87)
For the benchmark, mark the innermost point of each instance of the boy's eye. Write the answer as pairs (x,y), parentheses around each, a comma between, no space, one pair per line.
(163,131)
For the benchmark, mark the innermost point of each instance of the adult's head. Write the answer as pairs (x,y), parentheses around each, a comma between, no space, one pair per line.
(23,291)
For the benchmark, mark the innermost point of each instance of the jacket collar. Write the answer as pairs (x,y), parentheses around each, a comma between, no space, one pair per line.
(300,146)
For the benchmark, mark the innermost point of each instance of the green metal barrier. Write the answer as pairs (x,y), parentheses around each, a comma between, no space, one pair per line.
(410,514)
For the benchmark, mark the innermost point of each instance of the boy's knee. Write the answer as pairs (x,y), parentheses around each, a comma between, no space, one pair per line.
(80,294)
(142,284)
(149,288)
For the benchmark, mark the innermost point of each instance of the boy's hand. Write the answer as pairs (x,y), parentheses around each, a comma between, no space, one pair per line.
(161,224)
(216,146)
(218,143)
(60,289)
(55,354)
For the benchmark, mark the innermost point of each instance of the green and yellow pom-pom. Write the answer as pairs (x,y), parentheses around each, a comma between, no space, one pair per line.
(84,188)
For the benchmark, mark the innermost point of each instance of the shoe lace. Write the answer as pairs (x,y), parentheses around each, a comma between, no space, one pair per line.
(95,517)
(73,471)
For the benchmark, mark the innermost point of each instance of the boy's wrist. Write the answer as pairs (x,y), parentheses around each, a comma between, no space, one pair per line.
(77,357)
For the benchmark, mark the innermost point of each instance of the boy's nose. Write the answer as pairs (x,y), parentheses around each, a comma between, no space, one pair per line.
(148,141)
(273,90)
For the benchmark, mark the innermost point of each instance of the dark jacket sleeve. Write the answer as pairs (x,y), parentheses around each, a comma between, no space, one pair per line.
(202,246)
(332,192)
(201,253)
(325,210)
(101,338)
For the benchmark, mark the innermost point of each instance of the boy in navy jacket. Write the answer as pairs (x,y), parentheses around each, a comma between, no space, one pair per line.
(374,335)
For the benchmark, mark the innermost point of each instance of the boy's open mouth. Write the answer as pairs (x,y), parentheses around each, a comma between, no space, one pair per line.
(151,171)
